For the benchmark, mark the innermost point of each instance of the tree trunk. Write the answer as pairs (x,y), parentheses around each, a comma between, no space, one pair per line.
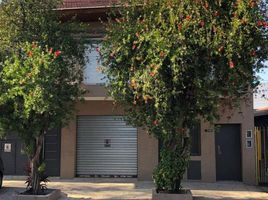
(177,185)
(35,163)
(179,143)
(35,178)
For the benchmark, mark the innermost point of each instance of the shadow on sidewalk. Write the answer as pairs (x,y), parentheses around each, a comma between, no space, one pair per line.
(5,190)
(100,199)
(225,198)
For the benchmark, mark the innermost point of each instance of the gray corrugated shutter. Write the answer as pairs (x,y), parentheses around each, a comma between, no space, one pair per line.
(106,145)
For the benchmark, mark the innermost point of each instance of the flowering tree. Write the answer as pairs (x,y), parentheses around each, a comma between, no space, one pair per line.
(41,69)
(171,62)
(38,92)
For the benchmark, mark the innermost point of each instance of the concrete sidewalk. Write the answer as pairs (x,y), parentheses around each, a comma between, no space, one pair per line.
(87,189)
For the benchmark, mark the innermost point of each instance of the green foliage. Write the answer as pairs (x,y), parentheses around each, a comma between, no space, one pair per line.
(38,91)
(37,21)
(43,178)
(42,168)
(36,88)
(171,62)
(169,173)
(41,71)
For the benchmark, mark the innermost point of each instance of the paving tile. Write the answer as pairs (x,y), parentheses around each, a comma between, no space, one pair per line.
(131,189)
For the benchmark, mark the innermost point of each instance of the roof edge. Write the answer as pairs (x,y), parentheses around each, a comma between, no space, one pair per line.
(261,111)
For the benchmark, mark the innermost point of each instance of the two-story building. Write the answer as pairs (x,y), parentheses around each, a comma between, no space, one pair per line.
(98,143)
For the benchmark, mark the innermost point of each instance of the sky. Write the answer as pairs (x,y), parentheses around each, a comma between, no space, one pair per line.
(261,96)
(264,75)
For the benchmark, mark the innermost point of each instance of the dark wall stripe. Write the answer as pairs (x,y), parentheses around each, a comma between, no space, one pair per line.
(194,170)
(52,152)
(15,162)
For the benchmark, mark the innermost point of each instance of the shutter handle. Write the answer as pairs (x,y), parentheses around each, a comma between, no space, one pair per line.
(219,150)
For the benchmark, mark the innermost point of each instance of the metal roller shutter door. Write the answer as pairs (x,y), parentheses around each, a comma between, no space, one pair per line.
(106,146)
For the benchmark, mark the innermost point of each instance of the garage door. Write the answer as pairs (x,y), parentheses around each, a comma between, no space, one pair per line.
(106,146)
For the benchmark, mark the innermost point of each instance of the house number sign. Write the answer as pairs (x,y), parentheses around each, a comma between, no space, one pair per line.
(7,147)
(249,139)
(249,134)
(249,143)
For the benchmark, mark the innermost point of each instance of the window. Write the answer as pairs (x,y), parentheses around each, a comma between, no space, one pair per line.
(195,133)
(92,71)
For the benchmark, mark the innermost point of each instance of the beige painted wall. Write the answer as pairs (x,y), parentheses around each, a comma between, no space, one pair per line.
(147,155)
(244,117)
(147,145)
(68,153)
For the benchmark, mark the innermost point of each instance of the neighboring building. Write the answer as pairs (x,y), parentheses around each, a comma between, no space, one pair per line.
(98,142)
(261,132)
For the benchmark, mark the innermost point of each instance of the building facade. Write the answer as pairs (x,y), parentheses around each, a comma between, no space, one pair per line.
(99,143)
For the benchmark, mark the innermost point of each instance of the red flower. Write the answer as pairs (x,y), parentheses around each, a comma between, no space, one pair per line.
(262,23)
(34,45)
(202,23)
(50,50)
(253,4)
(57,53)
(243,21)
(162,54)
(152,74)
(133,47)
(179,26)
(217,13)
(117,20)
(30,54)
(155,122)
(221,49)
(253,53)
(206,5)
(188,17)
(259,23)
(231,64)
(111,55)
(214,29)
